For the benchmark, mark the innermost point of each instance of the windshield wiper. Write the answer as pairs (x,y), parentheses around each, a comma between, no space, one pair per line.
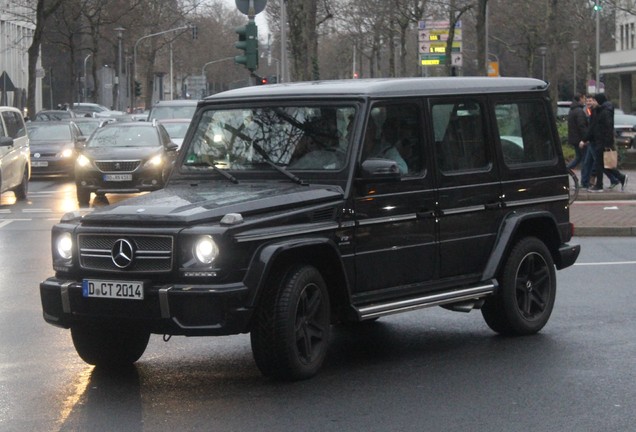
(216,169)
(278,168)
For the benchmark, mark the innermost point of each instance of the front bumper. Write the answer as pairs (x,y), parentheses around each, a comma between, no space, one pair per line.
(190,310)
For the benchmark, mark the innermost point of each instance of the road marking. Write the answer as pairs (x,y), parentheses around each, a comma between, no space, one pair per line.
(6,222)
(37,210)
(606,263)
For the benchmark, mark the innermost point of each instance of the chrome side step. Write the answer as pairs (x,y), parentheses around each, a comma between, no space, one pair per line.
(393,307)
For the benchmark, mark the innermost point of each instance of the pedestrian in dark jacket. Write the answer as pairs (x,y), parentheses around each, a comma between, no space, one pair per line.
(600,136)
(577,129)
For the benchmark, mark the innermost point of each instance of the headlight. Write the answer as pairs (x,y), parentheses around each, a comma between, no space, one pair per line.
(83,161)
(205,250)
(155,161)
(64,246)
(67,153)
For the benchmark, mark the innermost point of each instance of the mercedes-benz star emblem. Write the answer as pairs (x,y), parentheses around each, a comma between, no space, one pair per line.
(122,253)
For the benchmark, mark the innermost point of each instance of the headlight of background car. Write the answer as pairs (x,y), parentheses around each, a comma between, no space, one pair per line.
(64,246)
(67,153)
(205,250)
(155,161)
(83,161)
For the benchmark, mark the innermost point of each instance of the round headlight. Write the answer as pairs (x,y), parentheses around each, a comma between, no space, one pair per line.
(64,246)
(67,153)
(205,250)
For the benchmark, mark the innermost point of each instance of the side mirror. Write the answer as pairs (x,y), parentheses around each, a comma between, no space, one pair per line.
(6,141)
(172,147)
(80,142)
(380,169)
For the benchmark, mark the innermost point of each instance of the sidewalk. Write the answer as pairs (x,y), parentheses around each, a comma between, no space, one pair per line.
(607,213)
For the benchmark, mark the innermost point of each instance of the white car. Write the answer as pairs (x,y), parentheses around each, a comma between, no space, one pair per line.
(15,161)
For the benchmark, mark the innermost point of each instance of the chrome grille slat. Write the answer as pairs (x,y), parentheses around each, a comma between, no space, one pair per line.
(153,253)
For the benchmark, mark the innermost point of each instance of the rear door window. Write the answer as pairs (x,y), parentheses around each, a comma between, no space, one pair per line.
(524,133)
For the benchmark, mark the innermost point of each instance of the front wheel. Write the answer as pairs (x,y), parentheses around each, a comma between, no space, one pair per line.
(109,347)
(83,195)
(292,325)
(527,291)
(22,189)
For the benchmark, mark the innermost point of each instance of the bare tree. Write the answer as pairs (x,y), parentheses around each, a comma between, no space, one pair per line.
(43,10)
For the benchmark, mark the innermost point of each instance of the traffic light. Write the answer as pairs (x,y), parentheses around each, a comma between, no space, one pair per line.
(195,32)
(259,80)
(598,6)
(248,42)
(137,88)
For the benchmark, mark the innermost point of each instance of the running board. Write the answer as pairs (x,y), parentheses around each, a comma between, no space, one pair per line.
(393,307)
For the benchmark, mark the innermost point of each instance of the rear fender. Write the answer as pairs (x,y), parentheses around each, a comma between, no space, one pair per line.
(542,225)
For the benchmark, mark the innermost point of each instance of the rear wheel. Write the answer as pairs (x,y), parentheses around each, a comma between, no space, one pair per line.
(292,325)
(22,189)
(109,347)
(525,299)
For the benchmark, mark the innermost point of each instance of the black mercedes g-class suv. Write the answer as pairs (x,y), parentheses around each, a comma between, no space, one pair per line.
(293,207)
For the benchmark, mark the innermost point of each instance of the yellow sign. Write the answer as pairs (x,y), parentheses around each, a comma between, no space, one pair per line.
(493,69)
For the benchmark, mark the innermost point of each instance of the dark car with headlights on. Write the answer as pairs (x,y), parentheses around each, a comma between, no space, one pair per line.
(53,146)
(295,207)
(124,158)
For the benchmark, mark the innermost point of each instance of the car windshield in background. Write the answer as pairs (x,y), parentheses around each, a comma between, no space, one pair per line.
(176,130)
(49,132)
(124,136)
(295,137)
(173,112)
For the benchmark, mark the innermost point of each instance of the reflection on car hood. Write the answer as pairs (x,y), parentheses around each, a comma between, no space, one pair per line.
(186,203)
(49,146)
(121,153)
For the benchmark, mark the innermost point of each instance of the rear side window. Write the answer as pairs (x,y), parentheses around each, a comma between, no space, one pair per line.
(14,123)
(459,136)
(524,133)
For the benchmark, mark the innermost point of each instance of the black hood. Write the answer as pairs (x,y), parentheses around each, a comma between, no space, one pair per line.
(121,153)
(183,203)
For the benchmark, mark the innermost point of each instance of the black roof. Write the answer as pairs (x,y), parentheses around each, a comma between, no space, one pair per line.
(385,87)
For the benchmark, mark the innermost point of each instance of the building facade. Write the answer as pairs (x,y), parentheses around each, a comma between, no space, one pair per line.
(622,61)
(16,35)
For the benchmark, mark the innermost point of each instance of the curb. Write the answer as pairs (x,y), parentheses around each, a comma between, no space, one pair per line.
(604,231)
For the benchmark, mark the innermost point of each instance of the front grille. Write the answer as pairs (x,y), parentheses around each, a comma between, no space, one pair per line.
(150,253)
(117,166)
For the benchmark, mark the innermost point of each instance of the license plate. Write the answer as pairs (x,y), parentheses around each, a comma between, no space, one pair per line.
(117,177)
(39,163)
(129,290)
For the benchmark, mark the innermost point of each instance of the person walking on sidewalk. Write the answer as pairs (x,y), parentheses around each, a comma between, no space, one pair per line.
(577,128)
(600,136)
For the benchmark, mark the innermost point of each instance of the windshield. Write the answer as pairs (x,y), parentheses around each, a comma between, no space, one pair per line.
(49,132)
(172,112)
(294,137)
(124,136)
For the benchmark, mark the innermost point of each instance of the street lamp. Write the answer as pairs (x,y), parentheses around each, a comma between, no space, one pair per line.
(209,63)
(574,44)
(120,32)
(542,50)
(86,78)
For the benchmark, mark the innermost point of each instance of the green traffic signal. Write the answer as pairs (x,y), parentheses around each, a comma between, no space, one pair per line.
(598,6)
(248,43)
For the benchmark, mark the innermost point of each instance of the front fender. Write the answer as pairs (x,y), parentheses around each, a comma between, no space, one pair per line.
(266,256)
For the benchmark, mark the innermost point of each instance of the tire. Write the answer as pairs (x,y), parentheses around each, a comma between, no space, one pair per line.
(525,299)
(108,347)
(291,332)
(22,189)
(83,195)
